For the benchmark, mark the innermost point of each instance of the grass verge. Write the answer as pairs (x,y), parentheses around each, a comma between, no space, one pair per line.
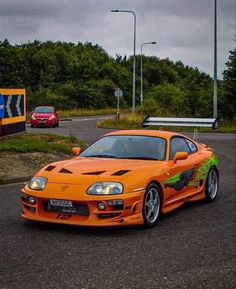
(31,142)
(134,121)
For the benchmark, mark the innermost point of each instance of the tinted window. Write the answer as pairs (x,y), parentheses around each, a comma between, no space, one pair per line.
(191,145)
(128,147)
(178,144)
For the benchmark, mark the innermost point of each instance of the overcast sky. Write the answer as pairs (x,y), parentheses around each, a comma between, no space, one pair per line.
(183,29)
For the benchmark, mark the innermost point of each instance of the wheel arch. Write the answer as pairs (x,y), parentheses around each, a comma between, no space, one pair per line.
(156,182)
(217,170)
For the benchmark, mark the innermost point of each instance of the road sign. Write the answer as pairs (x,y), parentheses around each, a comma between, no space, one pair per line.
(118,92)
(14,105)
(1,106)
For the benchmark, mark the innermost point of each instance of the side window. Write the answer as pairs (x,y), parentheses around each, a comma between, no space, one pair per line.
(178,144)
(191,145)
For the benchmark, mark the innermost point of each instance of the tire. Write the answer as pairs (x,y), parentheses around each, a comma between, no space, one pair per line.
(32,126)
(152,202)
(212,184)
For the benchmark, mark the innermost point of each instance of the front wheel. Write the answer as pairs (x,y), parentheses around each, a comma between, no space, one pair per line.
(151,206)
(211,187)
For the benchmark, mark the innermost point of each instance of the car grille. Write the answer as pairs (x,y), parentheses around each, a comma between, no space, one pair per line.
(77,209)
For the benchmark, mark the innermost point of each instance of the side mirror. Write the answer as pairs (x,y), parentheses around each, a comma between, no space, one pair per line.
(76,151)
(180,156)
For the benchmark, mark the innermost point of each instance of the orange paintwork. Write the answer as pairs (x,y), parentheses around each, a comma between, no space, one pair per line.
(73,186)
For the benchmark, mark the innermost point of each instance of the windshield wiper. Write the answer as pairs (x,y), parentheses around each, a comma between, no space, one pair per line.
(142,158)
(101,156)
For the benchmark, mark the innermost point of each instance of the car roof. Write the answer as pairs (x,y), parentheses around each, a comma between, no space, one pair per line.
(143,132)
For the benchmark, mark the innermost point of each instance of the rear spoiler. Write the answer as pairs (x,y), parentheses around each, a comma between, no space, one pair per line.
(188,122)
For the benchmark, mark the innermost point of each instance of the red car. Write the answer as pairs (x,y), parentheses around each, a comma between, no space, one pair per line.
(44,116)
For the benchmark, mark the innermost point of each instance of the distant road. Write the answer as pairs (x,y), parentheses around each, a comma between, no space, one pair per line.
(85,129)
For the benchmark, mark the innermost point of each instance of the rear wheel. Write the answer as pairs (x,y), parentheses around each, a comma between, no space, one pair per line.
(211,187)
(151,205)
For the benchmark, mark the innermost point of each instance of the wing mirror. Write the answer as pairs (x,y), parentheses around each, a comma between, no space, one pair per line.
(180,156)
(76,151)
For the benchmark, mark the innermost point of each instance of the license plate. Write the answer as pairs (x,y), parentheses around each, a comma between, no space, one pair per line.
(61,203)
(42,121)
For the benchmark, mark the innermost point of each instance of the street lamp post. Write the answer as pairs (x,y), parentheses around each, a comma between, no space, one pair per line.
(141,71)
(215,63)
(128,11)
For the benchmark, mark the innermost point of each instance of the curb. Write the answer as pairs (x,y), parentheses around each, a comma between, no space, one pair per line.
(5,181)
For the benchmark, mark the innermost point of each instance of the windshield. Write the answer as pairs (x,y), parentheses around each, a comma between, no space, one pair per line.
(44,109)
(128,147)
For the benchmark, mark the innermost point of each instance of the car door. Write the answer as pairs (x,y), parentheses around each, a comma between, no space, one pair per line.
(182,175)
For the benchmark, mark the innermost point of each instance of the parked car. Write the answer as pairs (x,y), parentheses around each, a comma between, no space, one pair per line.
(44,116)
(127,177)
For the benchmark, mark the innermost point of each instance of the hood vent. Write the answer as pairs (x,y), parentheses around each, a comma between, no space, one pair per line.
(120,173)
(50,168)
(65,171)
(94,173)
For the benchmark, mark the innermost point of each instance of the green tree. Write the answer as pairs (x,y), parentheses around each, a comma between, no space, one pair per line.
(228,104)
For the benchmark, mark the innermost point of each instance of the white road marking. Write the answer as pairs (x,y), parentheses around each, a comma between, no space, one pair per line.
(90,119)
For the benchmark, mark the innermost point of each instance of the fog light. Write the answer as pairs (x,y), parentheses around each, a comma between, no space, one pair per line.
(32,200)
(101,206)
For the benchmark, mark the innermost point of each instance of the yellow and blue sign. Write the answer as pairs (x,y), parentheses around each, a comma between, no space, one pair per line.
(2,103)
(12,111)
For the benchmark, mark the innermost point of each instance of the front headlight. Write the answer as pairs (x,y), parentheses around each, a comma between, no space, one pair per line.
(105,188)
(33,117)
(51,117)
(38,183)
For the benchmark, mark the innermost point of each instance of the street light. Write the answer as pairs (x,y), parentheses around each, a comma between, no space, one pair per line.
(128,11)
(141,70)
(215,63)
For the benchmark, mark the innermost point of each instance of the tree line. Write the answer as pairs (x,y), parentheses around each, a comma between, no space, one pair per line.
(83,75)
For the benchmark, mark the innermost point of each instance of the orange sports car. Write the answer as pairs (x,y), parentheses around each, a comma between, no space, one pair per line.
(125,178)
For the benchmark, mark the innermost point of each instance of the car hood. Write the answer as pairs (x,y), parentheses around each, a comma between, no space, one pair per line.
(86,170)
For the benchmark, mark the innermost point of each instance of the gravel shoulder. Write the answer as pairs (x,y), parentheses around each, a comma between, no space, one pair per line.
(15,165)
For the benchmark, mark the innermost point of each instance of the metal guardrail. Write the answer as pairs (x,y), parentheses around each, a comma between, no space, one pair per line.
(186,122)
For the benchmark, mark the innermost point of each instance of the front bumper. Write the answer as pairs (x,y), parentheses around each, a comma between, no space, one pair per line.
(45,122)
(87,212)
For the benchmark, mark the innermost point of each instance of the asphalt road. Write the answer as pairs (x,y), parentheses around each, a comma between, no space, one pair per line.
(193,247)
(83,128)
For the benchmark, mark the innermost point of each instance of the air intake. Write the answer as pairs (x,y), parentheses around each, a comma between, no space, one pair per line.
(65,171)
(94,173)
(50,168)
(120,173)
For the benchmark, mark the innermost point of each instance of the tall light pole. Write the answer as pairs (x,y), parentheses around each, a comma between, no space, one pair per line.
(128,11)
(215,63)
(141,71)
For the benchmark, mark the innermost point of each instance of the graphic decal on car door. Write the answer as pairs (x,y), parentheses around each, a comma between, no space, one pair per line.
(192,177)
(180,180)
